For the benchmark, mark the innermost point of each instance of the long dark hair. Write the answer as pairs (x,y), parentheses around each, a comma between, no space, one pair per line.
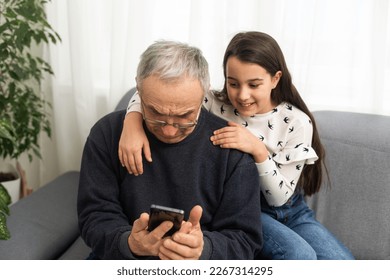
(261,49)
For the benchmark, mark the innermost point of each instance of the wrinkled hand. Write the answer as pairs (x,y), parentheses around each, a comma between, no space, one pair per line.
(132,143)
(144,243)
(234,136)
(187,243)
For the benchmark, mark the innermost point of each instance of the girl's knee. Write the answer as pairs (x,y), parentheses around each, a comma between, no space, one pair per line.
(299,250)
(301,253)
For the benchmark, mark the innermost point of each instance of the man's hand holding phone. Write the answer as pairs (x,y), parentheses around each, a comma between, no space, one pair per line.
(186,243)
(144,243)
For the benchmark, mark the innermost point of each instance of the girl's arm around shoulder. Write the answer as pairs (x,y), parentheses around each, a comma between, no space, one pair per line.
(134,104)
(133,140)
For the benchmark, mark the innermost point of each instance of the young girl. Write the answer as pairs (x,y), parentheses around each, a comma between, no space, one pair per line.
(268,119)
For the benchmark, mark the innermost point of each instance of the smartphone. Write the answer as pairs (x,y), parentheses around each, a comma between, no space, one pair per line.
(159,214)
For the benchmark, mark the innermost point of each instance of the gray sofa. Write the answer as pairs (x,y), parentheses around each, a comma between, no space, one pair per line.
(357,206)
(44,225)
(356,209)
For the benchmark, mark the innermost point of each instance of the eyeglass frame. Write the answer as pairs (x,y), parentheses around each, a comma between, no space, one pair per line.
(180,126)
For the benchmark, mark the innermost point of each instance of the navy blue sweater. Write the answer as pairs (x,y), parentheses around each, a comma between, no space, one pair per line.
(223,181)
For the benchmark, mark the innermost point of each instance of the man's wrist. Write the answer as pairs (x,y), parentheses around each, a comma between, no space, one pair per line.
(207,249)
(124,246)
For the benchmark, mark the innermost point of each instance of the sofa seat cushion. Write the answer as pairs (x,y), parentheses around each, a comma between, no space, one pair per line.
(44,224)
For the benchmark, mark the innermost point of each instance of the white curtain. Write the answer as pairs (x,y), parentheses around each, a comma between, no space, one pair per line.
(337,52)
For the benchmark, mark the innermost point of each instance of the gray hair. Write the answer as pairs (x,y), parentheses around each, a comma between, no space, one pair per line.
(173,60)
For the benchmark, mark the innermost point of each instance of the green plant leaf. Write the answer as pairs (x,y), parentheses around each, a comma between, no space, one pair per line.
(5,200)
(4,232)
(4,133)
(4,27)
(10,14)
(5,130)
(22,106)
(20,34)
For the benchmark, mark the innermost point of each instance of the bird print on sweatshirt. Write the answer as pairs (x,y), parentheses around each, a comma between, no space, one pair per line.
(286,132)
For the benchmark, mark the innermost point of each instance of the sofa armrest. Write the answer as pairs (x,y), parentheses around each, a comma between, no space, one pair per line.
(44,224)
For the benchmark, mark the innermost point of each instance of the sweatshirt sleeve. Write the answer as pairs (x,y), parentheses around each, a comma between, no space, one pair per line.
(134,104)
(280,173)
(103,225)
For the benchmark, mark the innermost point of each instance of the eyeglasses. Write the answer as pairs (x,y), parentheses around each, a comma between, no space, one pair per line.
(181,126)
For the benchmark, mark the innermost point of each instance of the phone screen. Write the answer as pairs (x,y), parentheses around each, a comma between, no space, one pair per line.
(159,214)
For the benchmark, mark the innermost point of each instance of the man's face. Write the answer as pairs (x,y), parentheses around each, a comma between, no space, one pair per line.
(171,108)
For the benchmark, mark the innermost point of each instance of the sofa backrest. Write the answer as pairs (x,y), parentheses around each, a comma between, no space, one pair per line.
(122,104)
(357,206)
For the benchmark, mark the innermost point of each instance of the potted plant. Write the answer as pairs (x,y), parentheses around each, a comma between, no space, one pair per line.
(23,108)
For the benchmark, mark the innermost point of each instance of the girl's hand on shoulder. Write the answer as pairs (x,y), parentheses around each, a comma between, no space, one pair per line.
(235,136)
(132,143)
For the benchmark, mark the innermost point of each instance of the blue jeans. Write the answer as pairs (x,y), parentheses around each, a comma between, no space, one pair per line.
(291,232)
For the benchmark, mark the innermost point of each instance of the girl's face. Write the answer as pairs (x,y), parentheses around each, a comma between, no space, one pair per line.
(249,87)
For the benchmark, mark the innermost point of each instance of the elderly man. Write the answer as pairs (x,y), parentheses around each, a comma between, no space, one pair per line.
(217,188)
